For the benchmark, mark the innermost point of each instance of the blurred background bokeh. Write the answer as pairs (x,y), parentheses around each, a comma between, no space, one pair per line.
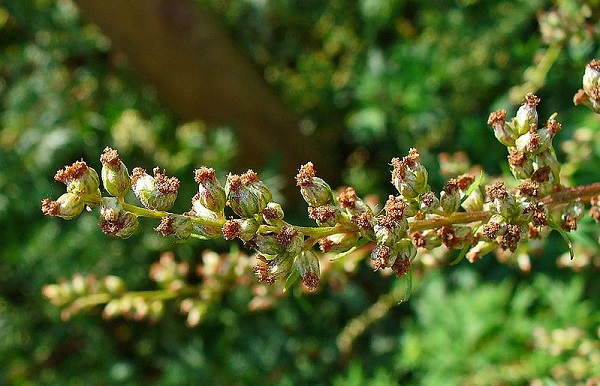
(270,84)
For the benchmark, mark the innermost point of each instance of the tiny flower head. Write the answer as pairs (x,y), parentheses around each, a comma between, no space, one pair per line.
(156,192)
(115,176)
(68,206)
(314,190)
(307,265)
(210,192)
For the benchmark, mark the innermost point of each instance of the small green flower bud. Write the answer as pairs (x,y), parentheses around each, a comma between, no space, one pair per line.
(520,163)
(409,176)
(158,192)
(502,130)
(325,215)
(307,265)
(591,85)
(210,192)
(68,206)
(246,195)
(314,190)
(208,231)
(267,244)
(474,202)
(502,201)
(388,236)
(450,197)
(115,176)
(248,228)
(115,221)
(176,225)
(339,242)
(273,213)
(270,270)
(480,249)
(114,285)
(203,213)
(405,249)
(527,115)
(112,309)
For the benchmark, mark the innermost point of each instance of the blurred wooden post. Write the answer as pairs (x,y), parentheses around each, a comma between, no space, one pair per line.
(199,73)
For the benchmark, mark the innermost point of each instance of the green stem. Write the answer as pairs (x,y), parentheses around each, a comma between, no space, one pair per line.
(143,212)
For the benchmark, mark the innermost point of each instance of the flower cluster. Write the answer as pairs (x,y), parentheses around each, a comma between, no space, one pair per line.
(466,215)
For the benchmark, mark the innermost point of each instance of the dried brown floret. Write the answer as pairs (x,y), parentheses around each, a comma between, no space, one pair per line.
(541,175)
(496,191)
(363,220)
(165,227)
(285,236)
(451,186)
(401,267)
(231,229)
(305,175)
(204,174)
(490,230)
(165,184)
(249,177)
(72,172)
(322,214)
(347,198)
(49,207)
(511,238)
(498,117)
(398,173)
(529,189)
(515,157)
(465,181)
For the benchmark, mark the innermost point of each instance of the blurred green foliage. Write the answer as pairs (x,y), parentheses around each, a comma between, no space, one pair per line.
(372,78)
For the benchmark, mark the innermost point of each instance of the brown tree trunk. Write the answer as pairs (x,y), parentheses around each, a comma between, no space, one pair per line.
(199,73)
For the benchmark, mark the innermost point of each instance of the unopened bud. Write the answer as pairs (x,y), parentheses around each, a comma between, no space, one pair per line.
(158,192)
(339,242)
(527,115)
(307,265)
(409,176)
(474,201)
(82,181)
(176,225)
(270,270)
(520,163)
(210,191)
(115,221)
(450,197)
(115,176)
(248,228)
(114,285)
(267,244)
(503,132)
(480,249)
(406,249)
(246,194)
(591,85)
(68,206)
(314,190)
(273,213)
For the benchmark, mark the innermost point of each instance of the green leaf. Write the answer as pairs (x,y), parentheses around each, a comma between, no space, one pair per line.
(473,186)
(291,279)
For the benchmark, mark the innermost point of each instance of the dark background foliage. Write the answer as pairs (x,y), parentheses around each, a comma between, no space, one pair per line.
(366,80)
